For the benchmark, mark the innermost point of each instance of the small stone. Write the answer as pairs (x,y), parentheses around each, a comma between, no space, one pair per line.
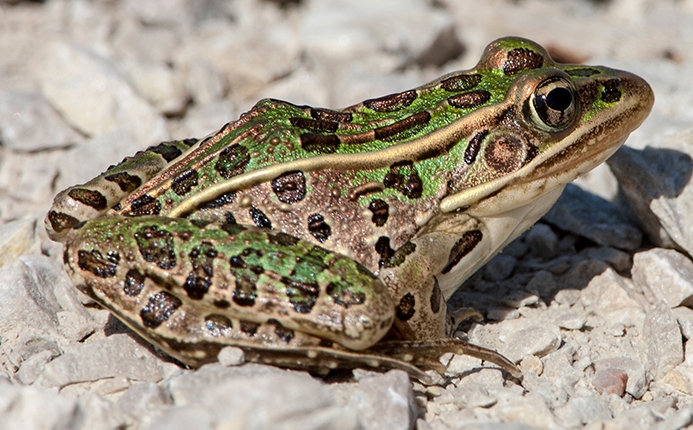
(34,408)
(568,296)
(636,384)
(619,260)
(542,283)
(534,340)
(500,267)
(663,341)
(531,411)
(542,241)
(531,364)
(590,216)
(21,112)
(664,274)
(116,355)
(570,320)
(143,397)
(384,401)
(684,316)
(614,298)
(655,182)
(610,381)
(231,356)
(92,95)
(581,410)
(160,84)
(582,274)
(18,238)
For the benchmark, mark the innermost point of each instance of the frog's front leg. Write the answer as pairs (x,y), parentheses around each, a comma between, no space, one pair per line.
(421,275)
(192,287)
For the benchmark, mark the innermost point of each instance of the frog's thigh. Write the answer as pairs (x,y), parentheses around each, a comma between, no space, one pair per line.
(176,279)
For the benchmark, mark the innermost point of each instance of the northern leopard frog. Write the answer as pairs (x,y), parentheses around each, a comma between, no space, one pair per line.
(324,238)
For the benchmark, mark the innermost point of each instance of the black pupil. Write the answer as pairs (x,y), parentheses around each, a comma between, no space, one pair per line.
(559,99)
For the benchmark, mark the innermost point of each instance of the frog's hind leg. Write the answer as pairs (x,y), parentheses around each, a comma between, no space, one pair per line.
(94,198)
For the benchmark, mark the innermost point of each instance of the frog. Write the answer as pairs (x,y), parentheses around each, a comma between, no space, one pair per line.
(323,239)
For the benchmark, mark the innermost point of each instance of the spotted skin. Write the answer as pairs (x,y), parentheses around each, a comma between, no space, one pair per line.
(307,235)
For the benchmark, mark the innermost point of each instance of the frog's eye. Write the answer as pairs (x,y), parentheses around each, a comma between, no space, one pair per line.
(554,104)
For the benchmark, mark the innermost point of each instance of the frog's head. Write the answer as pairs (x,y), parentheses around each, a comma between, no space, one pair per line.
(556,122)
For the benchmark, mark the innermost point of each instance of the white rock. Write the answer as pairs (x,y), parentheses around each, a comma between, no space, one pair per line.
(93,96)
(18,238)
(100,414)
(542,241)
(664,274)
(231,356)
(535,340)
(590,216)
(583,410)
(33,290)
(384,401)
(34,408)
(161,85)
(684,316)
(116,355)
(259,397)
(28,123)
(656,183)
(143,398)
(662,341)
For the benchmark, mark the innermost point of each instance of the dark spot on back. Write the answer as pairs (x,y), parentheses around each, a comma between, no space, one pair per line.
(521,59)
(400,255)
(156,246)
(404,178)
(392,102)
(473,147)
(436,296)
(290,187)
(184,183)
(200,278)
(458,83)
(218,325)
(91,198)
(282,332)
(134,283)
(125,181)
(318,228)
(259,218)
(380,210)
(167,151)
(345,296)
(93,261)
(245,292)
(463,246)
(406,307)
(302,295)
(612,91)
(159,309)
(419,119)
(232,161)
(469,100)
(314,124)
(221,201)
(330,115)
(320,143)
(145,205)
(61,221)
(382,247)
(249,327)
(221,304)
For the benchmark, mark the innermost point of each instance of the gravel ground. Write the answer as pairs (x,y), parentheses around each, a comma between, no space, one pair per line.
(594,302)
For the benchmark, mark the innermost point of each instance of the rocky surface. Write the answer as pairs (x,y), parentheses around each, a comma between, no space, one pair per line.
(594,303)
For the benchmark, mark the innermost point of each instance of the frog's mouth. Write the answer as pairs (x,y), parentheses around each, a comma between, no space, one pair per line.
(580,151)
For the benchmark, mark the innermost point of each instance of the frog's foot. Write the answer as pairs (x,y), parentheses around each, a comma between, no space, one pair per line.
(322,360)
(424,354)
